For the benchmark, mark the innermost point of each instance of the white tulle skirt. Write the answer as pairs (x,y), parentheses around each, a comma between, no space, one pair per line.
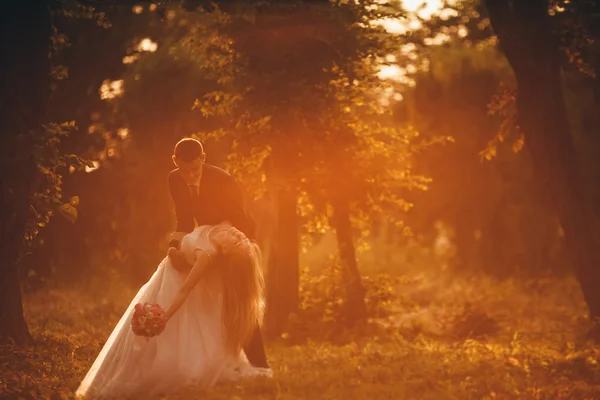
(190,351)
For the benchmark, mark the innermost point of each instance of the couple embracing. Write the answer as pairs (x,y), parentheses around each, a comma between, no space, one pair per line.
(209,290)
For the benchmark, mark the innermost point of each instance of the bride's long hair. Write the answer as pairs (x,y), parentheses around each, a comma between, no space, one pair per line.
(243,295)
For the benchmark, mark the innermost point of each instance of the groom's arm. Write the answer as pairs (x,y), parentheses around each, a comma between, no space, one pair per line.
(185,218)
(236,209)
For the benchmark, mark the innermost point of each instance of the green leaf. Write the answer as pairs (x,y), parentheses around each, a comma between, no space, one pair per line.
(78,162)
(54,205)
(68,211)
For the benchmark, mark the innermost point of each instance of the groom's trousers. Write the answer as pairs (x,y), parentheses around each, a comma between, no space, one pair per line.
(255,349)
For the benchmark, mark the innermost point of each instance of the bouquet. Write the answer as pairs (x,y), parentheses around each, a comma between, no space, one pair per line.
(148,320)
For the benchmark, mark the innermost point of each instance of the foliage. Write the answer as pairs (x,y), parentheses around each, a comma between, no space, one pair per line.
(502,105)
(50,163)
(311,113)
(496,213)
(321,315)
(44,147)
(159,86)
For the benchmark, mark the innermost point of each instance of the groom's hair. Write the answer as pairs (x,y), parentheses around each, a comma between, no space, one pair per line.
(188,149)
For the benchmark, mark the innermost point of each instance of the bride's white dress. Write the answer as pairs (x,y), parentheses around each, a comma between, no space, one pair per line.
(191,349)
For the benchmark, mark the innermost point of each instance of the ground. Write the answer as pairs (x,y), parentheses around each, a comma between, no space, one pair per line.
(446,337)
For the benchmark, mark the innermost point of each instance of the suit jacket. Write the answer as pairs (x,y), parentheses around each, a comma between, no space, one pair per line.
(220,199)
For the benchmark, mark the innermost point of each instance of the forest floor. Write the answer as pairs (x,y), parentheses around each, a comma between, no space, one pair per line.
(446,337)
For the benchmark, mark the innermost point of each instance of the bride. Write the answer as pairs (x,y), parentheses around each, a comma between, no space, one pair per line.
(210,316)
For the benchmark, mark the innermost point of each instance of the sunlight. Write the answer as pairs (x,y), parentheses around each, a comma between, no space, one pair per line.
(448,13)
(392,25)
(415,24)
(408,48)
(148,45)
(123,133)
(111,89)
(95,167)
(425,9)
(397,74)
(391,72)
(416,12)
(555,9)
(462,31)
(131,59)
(437,40)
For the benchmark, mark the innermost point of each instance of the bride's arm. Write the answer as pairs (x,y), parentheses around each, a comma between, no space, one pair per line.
(202,261)
(178,260)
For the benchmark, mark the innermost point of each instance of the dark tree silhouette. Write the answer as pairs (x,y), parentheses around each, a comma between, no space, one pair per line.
(26,29)
(526,38)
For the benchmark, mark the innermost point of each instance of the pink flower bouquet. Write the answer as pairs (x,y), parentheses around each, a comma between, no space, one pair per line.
(148,320)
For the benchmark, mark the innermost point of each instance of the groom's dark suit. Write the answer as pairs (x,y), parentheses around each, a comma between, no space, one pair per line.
(219,199)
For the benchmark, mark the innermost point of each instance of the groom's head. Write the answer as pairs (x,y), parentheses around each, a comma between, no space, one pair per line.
(189,156)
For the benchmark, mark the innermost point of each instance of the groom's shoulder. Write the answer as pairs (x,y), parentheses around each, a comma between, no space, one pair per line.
(216,172)
(175,178)
(174,174)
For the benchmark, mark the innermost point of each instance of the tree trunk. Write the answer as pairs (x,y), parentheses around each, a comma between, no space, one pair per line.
(523,27)
(26,28)
(283,272)
(355,292)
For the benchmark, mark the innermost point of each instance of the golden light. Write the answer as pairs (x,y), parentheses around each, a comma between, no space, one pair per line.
(153,7)
(137,9)
(423,8)
(437,40)
(416,12)
(394,26)
(415,24)
(391,72)
(95,167)
(448,13)
(111,89)
(123,133)
(148,45)
(555,9)
(384,101)
(131,59)
(408,48)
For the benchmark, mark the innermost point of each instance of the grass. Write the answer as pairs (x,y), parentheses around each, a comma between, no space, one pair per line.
(442,337)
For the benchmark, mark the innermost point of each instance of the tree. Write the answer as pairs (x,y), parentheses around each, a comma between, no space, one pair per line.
(286,53)
(31,160)
(24,102)
(304,113)
(525,32)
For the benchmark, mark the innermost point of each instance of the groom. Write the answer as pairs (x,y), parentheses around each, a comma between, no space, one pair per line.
(210,196)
